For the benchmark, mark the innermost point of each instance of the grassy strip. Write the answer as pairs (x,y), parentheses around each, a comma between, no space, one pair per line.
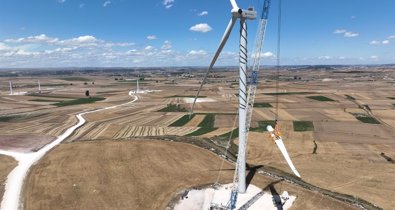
(75,79)
(49,96)
(78,101)
(206,126)
(367,119)
(229,134)
(289,93)
(320,98)
(300,126)
(201,131)
(261,128)
(208,121)
(14,118)
(182,121)
(9,118)
(173,108)
(265,123)
(185,96)
(262,105)
(350,97)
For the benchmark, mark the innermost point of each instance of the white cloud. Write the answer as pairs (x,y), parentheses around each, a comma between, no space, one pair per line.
(34,39)
(106,3)
(168,3)
(149,48)
(3,47)
(151,37)
(350,34)
(201,27)
(85,39)
(82,6)
(61,1)
(266,55)
(385,42)
(197,53)
(374,42)
(353,17)
(204,13)
(391,37)
(339,31)
(346,33)
(325,57)
(374,57)
(166,45)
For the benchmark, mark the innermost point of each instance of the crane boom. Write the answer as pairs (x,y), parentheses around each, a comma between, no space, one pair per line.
(259,40)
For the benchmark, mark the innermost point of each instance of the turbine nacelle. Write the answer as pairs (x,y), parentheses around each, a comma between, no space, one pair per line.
(250,13)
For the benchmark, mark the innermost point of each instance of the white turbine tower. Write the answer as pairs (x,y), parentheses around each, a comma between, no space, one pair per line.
(11,93)
(243,15)
(39,86)
(138,86)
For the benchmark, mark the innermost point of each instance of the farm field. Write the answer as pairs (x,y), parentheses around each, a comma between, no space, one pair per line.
(357,152)
(6,166)
(143,173)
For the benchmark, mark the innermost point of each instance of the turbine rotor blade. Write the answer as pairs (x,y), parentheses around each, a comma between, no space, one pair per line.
(234,4)
(280,144)
(217,53)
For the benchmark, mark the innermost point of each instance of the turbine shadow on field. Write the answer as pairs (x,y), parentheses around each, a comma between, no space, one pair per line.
(276,197)
(251,173)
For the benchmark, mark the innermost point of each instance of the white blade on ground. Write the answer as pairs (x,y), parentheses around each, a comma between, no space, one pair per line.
(281,146)
(234,4)
(283,150)
(220,47)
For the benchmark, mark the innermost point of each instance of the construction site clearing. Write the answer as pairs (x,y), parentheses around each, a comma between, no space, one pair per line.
(337,124)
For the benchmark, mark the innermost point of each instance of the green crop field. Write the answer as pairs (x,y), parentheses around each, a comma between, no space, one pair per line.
(350,97)
(182,121)
(75,79)
(173,108)
(262,105)
(78,101)
(320,98)
(365,118)
(201,131)
(301,126)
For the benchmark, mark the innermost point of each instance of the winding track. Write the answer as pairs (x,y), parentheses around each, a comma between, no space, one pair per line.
(14,183)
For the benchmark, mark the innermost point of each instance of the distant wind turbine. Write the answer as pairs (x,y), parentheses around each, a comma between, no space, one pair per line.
(11,93)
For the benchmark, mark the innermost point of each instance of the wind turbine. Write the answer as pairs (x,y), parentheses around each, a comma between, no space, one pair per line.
(243,15)
(39,86)
(138,86)
(11,93)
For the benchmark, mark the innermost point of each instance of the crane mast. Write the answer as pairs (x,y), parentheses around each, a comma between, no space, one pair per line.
(260,36)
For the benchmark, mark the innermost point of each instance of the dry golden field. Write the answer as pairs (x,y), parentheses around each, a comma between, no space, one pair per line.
(6,166)
(141,174)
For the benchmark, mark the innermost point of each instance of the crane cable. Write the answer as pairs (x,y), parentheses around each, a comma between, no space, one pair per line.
(278,55)
(276,124)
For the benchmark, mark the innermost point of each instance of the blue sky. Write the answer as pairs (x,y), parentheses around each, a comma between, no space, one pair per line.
(81,33)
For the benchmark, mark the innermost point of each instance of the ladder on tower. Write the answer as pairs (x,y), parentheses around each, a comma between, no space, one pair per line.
(259,39)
